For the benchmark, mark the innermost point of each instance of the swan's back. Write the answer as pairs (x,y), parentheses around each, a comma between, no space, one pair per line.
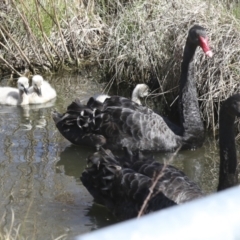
(125,127)
(48,91)
(125,123)
(15,96)
(40,91)
(173,183)
(122,183)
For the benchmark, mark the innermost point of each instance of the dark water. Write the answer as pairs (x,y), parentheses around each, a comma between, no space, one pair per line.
(39,170)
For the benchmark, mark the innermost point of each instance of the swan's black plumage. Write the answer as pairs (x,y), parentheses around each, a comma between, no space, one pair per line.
(77,124)
(123,123)
(120,189)
(228,174)
(122,183)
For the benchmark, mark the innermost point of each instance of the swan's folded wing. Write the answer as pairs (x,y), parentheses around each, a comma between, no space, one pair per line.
(136,130)
(71,126)
(173,183)
(120,189)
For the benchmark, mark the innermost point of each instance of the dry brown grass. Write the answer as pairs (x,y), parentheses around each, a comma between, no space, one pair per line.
(49,35)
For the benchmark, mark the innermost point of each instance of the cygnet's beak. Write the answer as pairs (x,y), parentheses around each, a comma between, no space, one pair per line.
(146,93)
(38,91)
(25,90)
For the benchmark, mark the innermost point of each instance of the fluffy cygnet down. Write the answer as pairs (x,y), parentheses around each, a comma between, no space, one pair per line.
(40,91)
(15,96)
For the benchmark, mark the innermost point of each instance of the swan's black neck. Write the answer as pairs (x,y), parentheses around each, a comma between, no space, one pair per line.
(192,125)
(228,175)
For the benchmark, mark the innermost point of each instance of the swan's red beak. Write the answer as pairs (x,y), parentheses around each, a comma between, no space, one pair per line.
(205,47)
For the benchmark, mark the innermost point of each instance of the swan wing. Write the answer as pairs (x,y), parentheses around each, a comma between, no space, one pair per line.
(173,183)
(125,127)
(120,189)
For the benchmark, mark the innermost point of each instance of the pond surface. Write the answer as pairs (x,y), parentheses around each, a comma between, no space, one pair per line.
(39,169)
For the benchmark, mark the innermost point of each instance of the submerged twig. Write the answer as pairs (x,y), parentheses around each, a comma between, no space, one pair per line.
(155,181)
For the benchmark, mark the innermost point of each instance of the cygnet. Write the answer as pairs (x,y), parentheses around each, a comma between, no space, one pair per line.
(40,91)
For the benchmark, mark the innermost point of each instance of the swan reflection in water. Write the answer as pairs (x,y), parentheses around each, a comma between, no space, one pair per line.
(26,111)
(41,121)
(72,163)
(73,160)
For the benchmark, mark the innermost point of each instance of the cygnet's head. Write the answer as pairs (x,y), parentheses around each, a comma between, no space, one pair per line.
(142,90)
(23,84)
(37,82)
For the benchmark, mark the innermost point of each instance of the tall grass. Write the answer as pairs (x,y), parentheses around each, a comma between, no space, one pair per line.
(48,35)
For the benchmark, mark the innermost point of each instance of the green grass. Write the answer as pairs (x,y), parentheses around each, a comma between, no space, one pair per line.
(236,10)
(41,15)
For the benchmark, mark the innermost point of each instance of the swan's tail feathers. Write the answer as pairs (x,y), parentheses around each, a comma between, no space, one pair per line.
(79,123)
(120,189)
(77,107)
(87,116)
(75,127)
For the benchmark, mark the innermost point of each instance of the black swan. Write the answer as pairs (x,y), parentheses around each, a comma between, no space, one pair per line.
(122,183)
(40,91)
(15,96)
(119,122)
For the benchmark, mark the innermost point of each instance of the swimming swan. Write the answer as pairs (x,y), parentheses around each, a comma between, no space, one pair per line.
(15,96)
(122,183)
(40,91)
(119,122)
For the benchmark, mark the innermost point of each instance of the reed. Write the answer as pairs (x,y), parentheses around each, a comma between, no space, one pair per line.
(14,232)
(48,35)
